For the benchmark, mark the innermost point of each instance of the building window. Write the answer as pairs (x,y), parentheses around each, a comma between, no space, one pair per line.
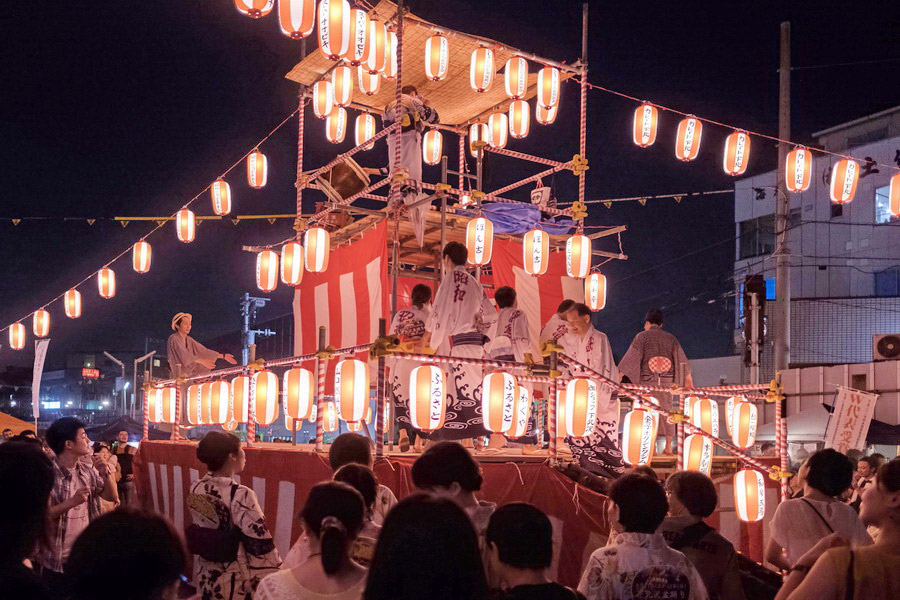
(757,237)
(887,282)
(882,205)
(836,210)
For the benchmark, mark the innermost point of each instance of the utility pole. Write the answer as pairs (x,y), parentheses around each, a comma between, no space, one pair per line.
(783,210)
(249,305)
(754,338)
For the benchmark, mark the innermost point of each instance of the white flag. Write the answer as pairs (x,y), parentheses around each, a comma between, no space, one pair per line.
(40,353)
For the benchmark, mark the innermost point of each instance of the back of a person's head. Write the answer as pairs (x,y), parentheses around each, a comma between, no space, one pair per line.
(830,472)
(126,554)
(646,470)
(523,536)
(349,448)
(427,548)
(456,252)
(581,309)
(444,464)
(505,297)
(565,306)
(420,295)
(333,513)
(215,448)
(61,431)
(360,478)
(31,441)
(888,476)
(26,478)
(641,502)
(695,491)
(654,316)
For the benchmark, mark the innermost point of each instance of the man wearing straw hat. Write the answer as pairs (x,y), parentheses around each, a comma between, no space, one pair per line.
(187,356)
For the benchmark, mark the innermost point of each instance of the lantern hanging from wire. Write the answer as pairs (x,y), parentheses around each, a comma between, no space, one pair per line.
(548,87)
(254,9)
(267,270)
(481,69)
(329,416)
(515,77)
(749,495)
(140,256)
(354,426)
(264,397)
(498,397)
(387,415)
(192,404)
(698,452)
(72,303)
(185,225)
(106,282)
(17,336)
(730,403)
(219,403)
(519,119)
(536,252)
(292,263)
(652,408)
(687,141)
(894,195)
(376,48)
(240,398)
(390,62)
(369,83)
(578,256)
(364,130)
(257,169)
(560,415)
(334,28)
(479,241)
(323,98)
(437,57)
(313,413)
(359,36)
(432,147)
(342,85)
(299,392)
(478,132)
(316,248)
(737,153)
(161,402)
(297,18)
(545,116)
(521,413)
(221,197)
(40,323)
(582,398)
(351,388)
(638,437)
(595,291)
(498,129)
(743,424)
(205,403)
(705,415)
(844,178)
(336,125)
(798,169)
(427,397)
(646,119)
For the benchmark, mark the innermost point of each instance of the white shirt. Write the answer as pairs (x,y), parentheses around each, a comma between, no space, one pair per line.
(78,516)
(410,322)
(282,585)
(556,327)
(460,306)
(796,527)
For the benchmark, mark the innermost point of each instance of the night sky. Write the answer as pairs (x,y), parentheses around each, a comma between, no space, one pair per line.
(131,108)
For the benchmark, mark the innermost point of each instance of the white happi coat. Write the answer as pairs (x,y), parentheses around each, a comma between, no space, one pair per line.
(555,328)
(512,336)
(408,324)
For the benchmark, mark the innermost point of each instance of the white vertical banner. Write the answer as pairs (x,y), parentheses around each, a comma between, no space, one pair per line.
(849,424)
(40,353)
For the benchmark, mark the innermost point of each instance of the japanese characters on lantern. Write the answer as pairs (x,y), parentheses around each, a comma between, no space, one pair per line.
(359,36)
(515,77)
(257,169)
(536,252)
(292,263)
(749,495)
(479,241)
(705,415)
(329,417)
(481,69)
(638,437)
(498,129)
(323,98)
(743,424)
(437,57)
(798,169)
(548,87)
(365,130)
(595,291)
(698,453)
(220,192)
(267,270)
(687,141)
(646,119)
(334,28)
(185,225)
(498,397)
(578,256)
(427,397)
(336,125)
(376,48)
(521,413)
(737,153)
(844,178)
(581,401)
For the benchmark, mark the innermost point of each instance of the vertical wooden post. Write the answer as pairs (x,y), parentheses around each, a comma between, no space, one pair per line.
(379,397)
(146,432)
(320,393)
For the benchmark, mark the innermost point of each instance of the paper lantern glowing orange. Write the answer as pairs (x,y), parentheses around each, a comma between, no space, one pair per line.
(578,256)
(844,178)
(545,116)
(221,197)
(359,36)
(581,399)
(376,48)
(106,282)
(737,153)
(161,404)
(354,426)
(478,132)
(560,414)
(140,256)
(299,393)
(646,119)
(481,69)
(297,18)
(390,61)
(40,323)
(72,303)
(257,169)
(894,195)
(16,336)
(432,147)
(729,410)
(292,263)
(351,388)
(498,129)
(192,403)
(264,397)
(638,437)
(254,9)
(334,28)
(437,57)
(369,83)
(536,252)
(427,397)
(336,125)
(705,415)
(498,397)
(316,248)
(329,417)
(342,85)
(798,169)
(364,130)
(267,270)
(519,119)
(743,424)
(323,98)
(515,77)
(687,141)
(698,452)
(240,398)
(548,87)
(185,225)
(595,291)
(219,402)
(749,495)
(205,403)
(521,413)
(479,241)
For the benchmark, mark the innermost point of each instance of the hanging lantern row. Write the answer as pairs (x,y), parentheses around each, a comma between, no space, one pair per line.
(313,255)
(749,495)
(536,252)
(639,437)
(427,397)
(479,241)
(185,225)
(705,416)
(257,171)
(141,255)
(365,130)
(698,453)
(595,291)
(498,397)
(351,389)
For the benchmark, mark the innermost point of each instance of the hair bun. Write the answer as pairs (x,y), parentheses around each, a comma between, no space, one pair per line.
(332,521)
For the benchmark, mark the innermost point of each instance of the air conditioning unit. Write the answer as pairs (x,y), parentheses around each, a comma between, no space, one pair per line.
(886,346)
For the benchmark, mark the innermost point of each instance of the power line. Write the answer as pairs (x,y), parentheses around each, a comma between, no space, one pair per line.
(847,64)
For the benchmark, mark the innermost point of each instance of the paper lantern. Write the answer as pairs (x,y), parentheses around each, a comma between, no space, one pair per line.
(729,410)
(432,147)
(254,9)
(521,413)
(376,48)
(595,291)
(519,119)
(299,393)
(16,336)
(140,256)
(743,424)
(351,388)
(548,87)
(560,415)
(689,403)
(390,61)
(437,57)
(479,241)
(334,28)
(498,397)
(481,69)
(354,426)
(536,252)
(221,197)
(106,282)
(257,169)
(749,495)
(323,98)
(359,36)
(313,413)
(161,405)
(329,417)
(292,424)
(342,85)
(240,398)
(264,397)
(653,402)
(185,225)
(364,130)
(578,256)
(498,129)
(646,119)
(296,18)
(581,406)
(205,403)
(40,323)
(515,77)
(698,453)
(545,116)
(737,153)
(844,178)
(638,437)
(687,142)
(219,402)
(369,83)
(192,404)
(72,303)
(387,415)
(427,397)
(230,426)
(798,169)
(316,248)
(292,263)
(478,132)
(894,195)
(336,125)
(705,415)
(267,270)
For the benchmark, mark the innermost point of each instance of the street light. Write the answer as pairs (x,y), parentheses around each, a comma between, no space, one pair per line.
(122,365)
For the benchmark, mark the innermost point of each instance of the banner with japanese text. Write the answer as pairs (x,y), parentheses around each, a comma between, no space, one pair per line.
(849,424)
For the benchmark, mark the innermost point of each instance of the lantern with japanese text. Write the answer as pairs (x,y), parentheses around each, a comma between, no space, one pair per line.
(521,413)
(743,424)
(498,129)
(359,36)
(390,61)
(205,403)
(737,153)
(354,426)
(582,399)
(336,125)
(548,87)
(536,252)
(478,132)
(376,48)
(16,336)
(161,402)
(267,270)
(698,452)
(545,116)
(749,495)
(652,409)
(313,413)
(844,178)
(638,437)
(515,77)
(365,130)
(219,402)
(427,397)
(729,410)
(479,241)
(254,9)
(40,323)
(519,119)
(185,225)
(192,404)
(106,282)
(240,398)
(264,397)
(342,85)
(72,303)
(297,18)
(894,195)
(646,119)
(329,417)
(432,147)
(292,263)
(369,83)
(323,98)
(498,397)
(687,141)
(299,393)
(705,415)
(221,197)
(351,388)
(257,169)
(141,254)
(595,291)
(798,169)
(316,248)
(578,256)
(481,69)
(437,57)
(334,28)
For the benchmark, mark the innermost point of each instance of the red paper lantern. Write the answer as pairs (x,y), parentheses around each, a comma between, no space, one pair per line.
(336,125)
(267,270)
(581,406)
(240,398)
(254,9)
(545,116)
(698,453)
(595,291)
(106,282)
(687,142)
(193,400)
(478,132)
(40,324)
(498,129)
(219,403)
(481,69)
(365,130)
(299,393)
(17,336)
(292,263)
(432,147)
(548,87)
(749,495)
(638,437)
(519,119)
(737,153)
(376,49)
(140,256)
(729,409)
(390,61)
(323,98)
(515,77)
(369,83)
(498,397)
(844,178)
(646,119)
(705,415)
(297,18)
(743,424)
(798,169)
(578,256)
(257,169)
(351,388)
(221,197)
(334,28)
(536,252)
(894,195)
(359,36)
(316,248)
(264,397)
(427,397)
(479,241)
(329,417)
(185,225)
(72,303)
(161,404)
(437,57)
(342,85)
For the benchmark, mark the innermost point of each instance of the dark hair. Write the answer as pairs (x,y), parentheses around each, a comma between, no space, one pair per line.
(98,446)
(695,490)
(830,472)
(871,461)
(135,553)
(505,296)
(215,448)
(409,89)
(31,433)
(360,478)
(581,309)
(564,306)
(62,430)
(28,440)
(334,513)
(523,536)
(349,448)
(646,470)
(26,478)
(420,294)
(445,463)
(642,503)
(426,548)
(456,252)
(654,316)
(888,475)
(766,445)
